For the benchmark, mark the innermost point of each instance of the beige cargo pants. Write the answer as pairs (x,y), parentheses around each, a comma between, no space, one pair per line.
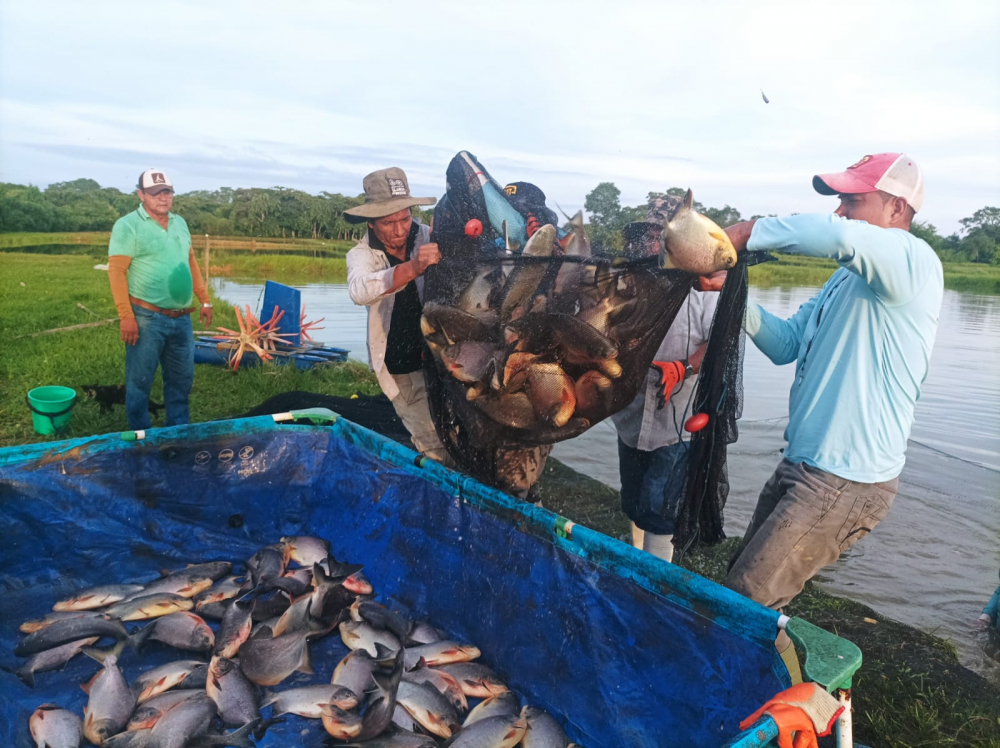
(805,518)
(413,410)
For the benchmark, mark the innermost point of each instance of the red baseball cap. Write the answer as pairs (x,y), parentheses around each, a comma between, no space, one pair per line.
(894,173)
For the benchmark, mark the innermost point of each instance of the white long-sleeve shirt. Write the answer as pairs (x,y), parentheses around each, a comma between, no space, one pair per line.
(369,278)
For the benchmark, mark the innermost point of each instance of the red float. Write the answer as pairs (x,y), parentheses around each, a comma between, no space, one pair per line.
(696,422)
(474,227)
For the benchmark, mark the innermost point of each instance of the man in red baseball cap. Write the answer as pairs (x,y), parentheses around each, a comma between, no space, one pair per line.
(861,348)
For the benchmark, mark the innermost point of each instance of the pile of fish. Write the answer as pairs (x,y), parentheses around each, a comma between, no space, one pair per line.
(403,684)
(536,347)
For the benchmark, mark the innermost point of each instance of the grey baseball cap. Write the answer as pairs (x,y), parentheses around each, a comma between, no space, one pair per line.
(386,192)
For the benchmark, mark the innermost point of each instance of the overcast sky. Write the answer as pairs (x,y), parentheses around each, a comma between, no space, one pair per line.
(314,95)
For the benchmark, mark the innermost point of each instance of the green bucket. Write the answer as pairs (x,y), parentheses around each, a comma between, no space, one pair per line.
(50,408)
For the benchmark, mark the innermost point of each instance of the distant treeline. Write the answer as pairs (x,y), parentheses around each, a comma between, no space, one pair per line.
(83,205)
(977,241)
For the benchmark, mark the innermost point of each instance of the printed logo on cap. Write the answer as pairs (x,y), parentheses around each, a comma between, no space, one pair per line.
(864,160)
(510,189)
(397,188)
(158,178)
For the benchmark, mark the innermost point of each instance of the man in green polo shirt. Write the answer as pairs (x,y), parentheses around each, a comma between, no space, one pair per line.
(153,277)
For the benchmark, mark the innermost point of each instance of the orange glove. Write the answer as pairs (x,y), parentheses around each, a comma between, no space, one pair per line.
(533,224)
(671,373)
(804,709)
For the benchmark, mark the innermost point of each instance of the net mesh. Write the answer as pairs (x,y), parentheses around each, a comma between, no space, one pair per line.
(532,344)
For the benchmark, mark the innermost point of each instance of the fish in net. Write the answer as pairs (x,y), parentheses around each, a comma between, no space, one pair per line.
(531,341)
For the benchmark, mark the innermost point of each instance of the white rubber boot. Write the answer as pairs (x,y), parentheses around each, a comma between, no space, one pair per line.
(661,546)
(637,535)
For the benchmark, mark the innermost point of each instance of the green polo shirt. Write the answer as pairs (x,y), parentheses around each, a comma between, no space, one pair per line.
(160,272)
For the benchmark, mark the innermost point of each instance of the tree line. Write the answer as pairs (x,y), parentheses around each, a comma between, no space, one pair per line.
(83,205)
(977,241)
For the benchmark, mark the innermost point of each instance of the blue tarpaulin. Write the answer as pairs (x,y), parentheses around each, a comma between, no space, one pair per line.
(624,649)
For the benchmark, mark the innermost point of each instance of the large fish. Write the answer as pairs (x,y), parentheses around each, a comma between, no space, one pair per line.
(523,280)
(441,653)
(51,659)
(189,581)
(268,661)
(355,670)
(378,715)
(423,633)
(224,589)
(109,705)
(503,704)
(340,723)
(444,683)
(513,410)
(381,617)
(570,275)
(98,597)
(552,393)
(68,630)
(309,700)
(475,297)
(148,713)
(306,550)
(361,635)
(456,325)
(36,624)
(182,630)
(149,606)
(543,730)
(52,727)
(235,627)
(266,564)
(235,697)
(693,242)
(469,361)
(163,678)
(475,679)
(434,712)
(594,393)
(188,723)
(504,731)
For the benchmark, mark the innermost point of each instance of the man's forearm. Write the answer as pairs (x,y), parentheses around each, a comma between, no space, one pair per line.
(197,282)
(118,277)
(403,274)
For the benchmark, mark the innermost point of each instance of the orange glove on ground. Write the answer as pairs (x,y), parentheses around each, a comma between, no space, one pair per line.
(671,373)
(804,709)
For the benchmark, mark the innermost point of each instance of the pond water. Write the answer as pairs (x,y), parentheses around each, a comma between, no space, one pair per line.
(933,562)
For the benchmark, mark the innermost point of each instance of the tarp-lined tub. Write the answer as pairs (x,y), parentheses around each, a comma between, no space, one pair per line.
(624,649)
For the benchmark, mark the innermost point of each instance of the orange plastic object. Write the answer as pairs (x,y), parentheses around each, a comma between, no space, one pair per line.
(696,422)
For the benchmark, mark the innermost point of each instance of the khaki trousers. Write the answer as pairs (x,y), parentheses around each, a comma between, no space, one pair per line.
(805,518)
(412,408)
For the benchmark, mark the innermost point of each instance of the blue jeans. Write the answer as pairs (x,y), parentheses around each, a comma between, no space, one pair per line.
(652,484)
(167,342)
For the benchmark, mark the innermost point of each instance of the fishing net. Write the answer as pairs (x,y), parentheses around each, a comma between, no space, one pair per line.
(534,340)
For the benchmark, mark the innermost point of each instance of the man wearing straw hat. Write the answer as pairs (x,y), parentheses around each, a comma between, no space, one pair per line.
(385,273)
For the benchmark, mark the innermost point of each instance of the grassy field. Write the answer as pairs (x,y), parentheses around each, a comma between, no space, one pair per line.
(299,266)
(41,292)
(911,690)
(795,270)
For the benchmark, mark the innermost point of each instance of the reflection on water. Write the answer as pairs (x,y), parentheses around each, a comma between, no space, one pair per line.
(933,562)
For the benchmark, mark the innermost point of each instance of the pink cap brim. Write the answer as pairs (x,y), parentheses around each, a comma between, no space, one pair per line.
(843,183)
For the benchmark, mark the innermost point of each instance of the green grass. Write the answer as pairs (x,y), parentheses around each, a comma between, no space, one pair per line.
(911,690)
(796,270)
(29,239)
(52,287)
(280,268)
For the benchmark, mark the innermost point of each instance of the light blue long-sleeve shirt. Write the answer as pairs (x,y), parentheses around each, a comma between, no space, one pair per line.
(861,346)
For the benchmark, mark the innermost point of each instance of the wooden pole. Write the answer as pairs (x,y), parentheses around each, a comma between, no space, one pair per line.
(208,247)
(253,244)
(71,327)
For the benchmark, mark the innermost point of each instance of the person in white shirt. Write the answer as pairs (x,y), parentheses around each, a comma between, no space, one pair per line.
(385,273)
